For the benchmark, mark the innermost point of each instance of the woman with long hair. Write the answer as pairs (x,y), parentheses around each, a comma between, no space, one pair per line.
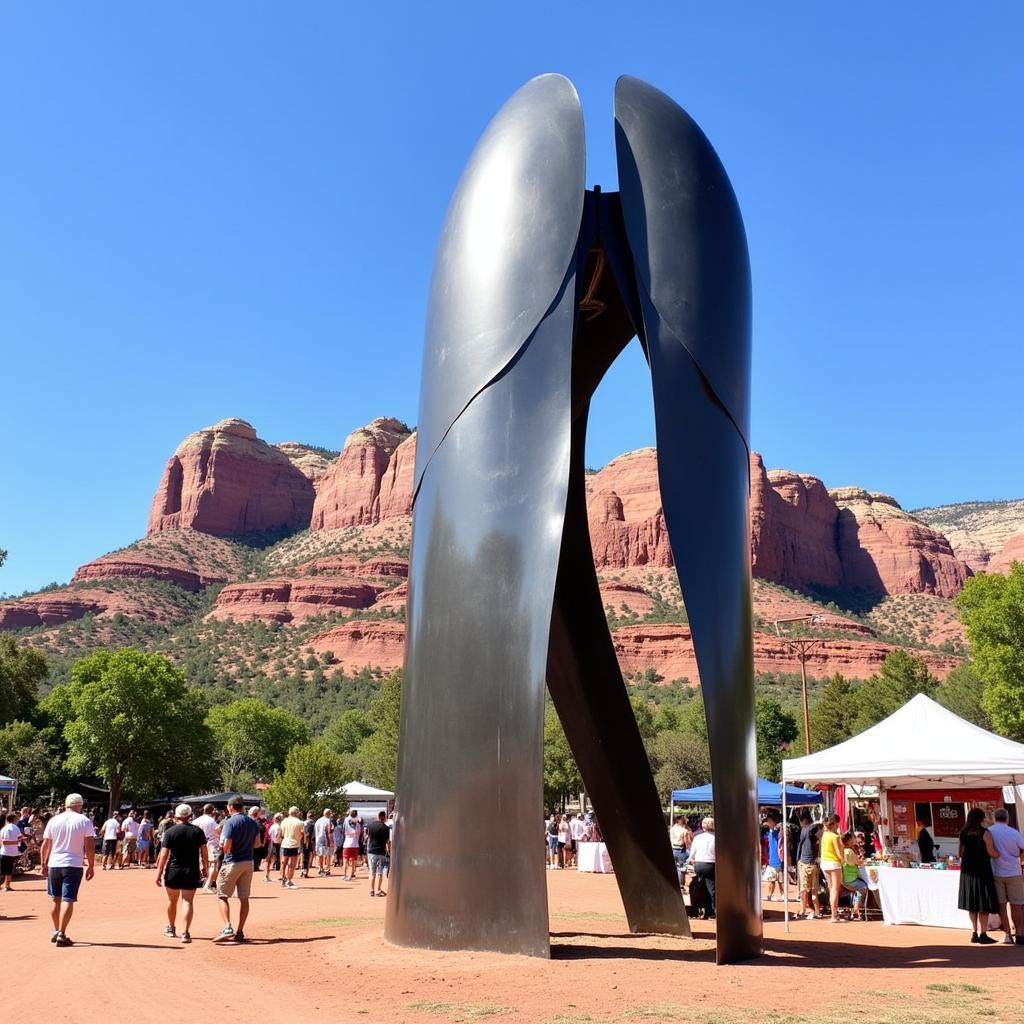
(977,885)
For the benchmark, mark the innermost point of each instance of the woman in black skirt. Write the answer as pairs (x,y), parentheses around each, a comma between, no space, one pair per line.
(977,888)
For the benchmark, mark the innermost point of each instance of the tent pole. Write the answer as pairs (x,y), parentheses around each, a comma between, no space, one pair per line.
(785,856)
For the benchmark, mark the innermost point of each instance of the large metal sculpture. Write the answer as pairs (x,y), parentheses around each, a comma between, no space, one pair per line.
(538,285)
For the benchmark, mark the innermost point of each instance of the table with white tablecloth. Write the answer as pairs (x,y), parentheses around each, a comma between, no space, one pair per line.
(593,857)
(922,896)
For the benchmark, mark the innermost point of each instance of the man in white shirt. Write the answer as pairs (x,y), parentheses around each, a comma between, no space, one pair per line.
(323,830)
(131,837)
(10,849)
(1009,844)
(68,842)
(208,823)
(111,832)
(350,845)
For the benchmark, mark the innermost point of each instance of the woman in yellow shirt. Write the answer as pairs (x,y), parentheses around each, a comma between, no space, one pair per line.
(832,863)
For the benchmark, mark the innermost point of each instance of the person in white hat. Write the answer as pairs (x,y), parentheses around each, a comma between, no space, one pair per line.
(69,841)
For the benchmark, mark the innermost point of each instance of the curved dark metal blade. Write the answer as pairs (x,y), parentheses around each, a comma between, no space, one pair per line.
(686,234)
(693,276)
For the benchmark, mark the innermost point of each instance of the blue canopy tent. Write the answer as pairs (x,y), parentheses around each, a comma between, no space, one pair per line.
(769,794)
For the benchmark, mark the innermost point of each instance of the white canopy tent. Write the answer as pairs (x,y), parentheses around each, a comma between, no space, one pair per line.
(921,746)
(367,800)
(8,791)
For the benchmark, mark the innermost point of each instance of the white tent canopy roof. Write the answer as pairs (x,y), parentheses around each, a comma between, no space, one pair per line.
(921,746)
(361,791)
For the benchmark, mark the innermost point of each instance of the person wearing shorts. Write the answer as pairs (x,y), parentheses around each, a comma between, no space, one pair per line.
(808,877)
(238,836)
(110,830)
(350,845)
(207,821)
(1006,871)
(292,832)
(178,868)
(259,850)
(308,843)
(145,839)
(10,848)
(378,847)
(69,841)
(323,833)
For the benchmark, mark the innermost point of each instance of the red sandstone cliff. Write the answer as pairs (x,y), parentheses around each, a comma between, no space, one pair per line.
(224,480)
(883,548)
(373,471)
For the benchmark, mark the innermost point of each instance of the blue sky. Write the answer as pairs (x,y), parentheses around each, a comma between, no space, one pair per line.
(212,210)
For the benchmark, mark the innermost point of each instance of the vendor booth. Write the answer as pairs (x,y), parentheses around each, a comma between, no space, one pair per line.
(368,800)
(769,794)
(925,763)
(8,791)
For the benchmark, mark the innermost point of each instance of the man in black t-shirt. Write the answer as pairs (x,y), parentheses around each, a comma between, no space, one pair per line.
(181,867)
(378,850)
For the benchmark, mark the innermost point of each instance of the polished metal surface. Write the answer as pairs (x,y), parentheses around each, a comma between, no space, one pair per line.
(537,288)
(508,237)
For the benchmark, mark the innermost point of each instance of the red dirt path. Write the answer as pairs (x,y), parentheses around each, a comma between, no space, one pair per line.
(321,950)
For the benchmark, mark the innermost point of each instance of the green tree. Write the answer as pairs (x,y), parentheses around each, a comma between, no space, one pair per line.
(992,611)
(34,757)
(900,677)
(963,693)
(833,715)
(775,728)
(692,717)
(253,739)
(22,669)
(345,732)
(312,778)
(561,776)
(681,760)
(377,756)
(129,718)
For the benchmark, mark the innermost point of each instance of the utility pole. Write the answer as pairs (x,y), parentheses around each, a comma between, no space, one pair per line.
(801,645)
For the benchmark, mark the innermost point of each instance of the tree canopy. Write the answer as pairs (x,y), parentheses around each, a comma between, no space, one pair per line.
(900,677)
(992,610)
(22,670)
(311,780)
(775,729)
(129,718)
(253,738)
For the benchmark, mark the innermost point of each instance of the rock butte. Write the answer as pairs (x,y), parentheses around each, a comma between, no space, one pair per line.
(225,482)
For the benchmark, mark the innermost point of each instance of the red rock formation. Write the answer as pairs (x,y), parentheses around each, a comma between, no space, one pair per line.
(627,526)
(615,594)
(312,463)
(350,493)
(50,609)
(112,568)
(792,528)
(1012,551)
(353,566)
(224,480)
(669,649)
(373,643)
(885,549)
(292,600)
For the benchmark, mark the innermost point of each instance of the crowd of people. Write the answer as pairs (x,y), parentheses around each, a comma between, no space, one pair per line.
(826,863)
(217,853)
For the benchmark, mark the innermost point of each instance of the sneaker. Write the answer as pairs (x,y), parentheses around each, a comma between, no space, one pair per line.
(974,937)
(290,885)
(372,893)
(381,892)
(986,940)
(63,940)
(185,937)
(170,932)
(53,935)
(1007,939)
(239,936)
(226,935)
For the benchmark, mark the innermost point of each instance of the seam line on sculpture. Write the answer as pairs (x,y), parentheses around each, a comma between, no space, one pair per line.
(703,376)
(504,371)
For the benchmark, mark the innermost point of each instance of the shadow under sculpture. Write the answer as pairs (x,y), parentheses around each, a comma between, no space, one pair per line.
(538,285)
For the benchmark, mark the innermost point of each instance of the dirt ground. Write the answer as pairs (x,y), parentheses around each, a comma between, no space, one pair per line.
(318,953)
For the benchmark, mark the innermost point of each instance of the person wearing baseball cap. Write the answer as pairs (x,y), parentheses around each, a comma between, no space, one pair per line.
(69,841)
(178,868)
